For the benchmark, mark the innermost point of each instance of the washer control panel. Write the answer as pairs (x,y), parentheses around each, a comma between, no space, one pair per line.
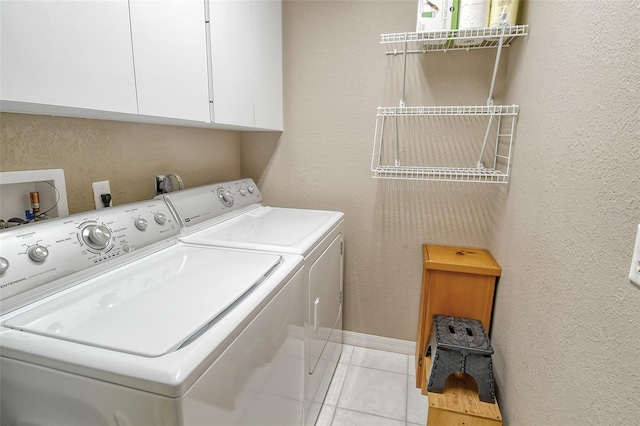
(36,254)
(196,205)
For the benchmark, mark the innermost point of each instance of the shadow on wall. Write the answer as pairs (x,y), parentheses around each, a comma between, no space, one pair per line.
(383,276)
(257,150)
(447,213)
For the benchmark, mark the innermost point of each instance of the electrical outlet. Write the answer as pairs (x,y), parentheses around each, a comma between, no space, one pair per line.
(100,188)
(634,271)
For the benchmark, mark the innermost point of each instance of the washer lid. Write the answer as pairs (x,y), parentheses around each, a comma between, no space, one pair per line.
(154,305)
(272,229)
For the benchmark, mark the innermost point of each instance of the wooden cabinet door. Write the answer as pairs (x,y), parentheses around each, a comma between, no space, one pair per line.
(170,52)
(454,294)
(67,53)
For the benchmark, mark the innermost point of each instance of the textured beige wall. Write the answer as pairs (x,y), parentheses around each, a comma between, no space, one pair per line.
(566,319)
(128,155)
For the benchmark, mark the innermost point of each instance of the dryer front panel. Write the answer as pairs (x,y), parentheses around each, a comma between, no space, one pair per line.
(325,300)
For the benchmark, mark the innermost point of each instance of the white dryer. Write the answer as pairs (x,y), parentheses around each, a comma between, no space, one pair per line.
(108,319)
(231,214)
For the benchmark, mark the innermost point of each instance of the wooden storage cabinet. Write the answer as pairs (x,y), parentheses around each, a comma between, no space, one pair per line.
(456,281)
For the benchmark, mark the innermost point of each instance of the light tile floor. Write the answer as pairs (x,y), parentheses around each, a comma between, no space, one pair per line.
(373,388)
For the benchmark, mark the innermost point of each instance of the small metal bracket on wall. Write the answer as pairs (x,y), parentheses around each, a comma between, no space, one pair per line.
(480,165)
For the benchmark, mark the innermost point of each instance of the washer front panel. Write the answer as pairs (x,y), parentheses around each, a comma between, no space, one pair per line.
(171,374)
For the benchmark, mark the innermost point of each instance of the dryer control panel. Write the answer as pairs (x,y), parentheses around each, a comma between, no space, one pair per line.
(210,202)
(34,255)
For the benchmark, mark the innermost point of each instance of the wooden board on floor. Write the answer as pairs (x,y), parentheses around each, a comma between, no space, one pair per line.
(459,404)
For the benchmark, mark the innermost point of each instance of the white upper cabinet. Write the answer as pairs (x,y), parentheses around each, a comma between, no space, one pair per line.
(232,62)
(169,50)
(266,20)
(68,54)
(246,62)
(215,63)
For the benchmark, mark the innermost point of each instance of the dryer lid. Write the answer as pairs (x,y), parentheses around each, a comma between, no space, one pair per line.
(154,305)
(271,228)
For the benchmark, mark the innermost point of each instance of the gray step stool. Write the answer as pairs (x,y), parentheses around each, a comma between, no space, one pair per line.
(460,344)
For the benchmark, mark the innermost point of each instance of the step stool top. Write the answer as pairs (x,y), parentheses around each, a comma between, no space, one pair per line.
(461,334)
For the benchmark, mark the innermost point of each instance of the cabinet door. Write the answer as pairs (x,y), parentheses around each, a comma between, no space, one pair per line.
(231,62)
(67,53)
(457,294)
(169,48)
(267,34)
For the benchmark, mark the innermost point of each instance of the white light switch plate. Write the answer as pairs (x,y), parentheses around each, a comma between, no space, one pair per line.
(634,272)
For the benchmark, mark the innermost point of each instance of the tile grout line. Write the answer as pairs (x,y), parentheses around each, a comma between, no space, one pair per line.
(379,369)
(406,399)
(406,396)
(348,364)
(335,411)
(374,415)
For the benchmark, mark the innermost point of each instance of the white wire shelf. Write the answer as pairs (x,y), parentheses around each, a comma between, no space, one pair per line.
(408,146)
(447,174)
(477,38)
(412,143)
(448,110)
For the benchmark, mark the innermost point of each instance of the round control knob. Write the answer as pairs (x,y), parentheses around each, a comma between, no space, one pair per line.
(160,218)
(225,196)
(4,265)
(141,224)
(251,189)
(96,236)
(38,253)
(243,192)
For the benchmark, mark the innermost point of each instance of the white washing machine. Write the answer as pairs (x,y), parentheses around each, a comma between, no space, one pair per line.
(106,318)
(231,214)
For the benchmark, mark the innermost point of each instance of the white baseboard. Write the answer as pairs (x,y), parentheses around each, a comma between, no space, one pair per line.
(377,342)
